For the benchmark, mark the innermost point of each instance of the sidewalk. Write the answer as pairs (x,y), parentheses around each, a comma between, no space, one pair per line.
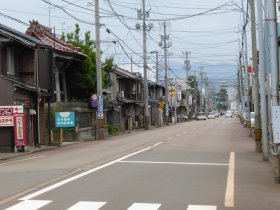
(30,150)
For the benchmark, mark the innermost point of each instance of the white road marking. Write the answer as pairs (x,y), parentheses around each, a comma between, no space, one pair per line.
(144,206)
(87,205)
(156,144)
(174,163)
(54,186)
(229,196)
(22,160)
(178,135)
(29,204)
(197,207)
(169,138)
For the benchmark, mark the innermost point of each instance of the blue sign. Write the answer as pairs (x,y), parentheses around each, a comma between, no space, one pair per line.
(93,104)
(65,119)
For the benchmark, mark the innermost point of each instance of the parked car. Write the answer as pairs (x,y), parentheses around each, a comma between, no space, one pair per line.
(182,118)
(252,118)
(201,116)
(229,114)
(211,115)
(216,113)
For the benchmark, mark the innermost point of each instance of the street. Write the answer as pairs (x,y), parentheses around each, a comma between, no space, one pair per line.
(197,165)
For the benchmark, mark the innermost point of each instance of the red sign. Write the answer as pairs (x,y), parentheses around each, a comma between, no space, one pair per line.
(249,69)
(10,110)
(19,130)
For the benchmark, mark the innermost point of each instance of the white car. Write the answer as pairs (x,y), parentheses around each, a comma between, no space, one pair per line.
(229,114)
(211,115)
(201,116)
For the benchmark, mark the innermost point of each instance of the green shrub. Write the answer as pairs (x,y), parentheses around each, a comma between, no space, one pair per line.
(113,129)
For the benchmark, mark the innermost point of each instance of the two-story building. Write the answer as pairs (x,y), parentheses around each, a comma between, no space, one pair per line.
(26,80)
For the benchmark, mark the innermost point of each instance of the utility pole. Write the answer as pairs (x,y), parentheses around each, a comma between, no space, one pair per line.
(157,76)
(187,62)
(166,76)
(201,78)
(206,95)
(247,88)
(99,74)
(258,146)
(146,100)
(262,76)
(273,51)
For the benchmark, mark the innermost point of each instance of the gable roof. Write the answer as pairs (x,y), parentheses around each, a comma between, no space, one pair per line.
(45,34)
(18,36)
(124,73)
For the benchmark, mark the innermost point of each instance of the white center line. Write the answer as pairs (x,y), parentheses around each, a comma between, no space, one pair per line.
(229,196)
(22,160)
(169,138)
(175,163)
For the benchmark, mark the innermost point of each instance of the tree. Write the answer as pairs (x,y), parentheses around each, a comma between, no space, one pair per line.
(83,78)
(222,99)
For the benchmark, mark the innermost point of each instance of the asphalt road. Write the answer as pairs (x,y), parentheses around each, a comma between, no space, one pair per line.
(199,165)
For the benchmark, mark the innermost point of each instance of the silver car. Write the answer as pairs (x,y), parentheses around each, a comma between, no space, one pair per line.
(201,116)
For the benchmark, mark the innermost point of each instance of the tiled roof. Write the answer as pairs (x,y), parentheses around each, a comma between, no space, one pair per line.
(126,74)
(45,34)
(21,37)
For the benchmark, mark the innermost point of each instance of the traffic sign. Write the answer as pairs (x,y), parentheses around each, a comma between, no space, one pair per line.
(161,106)
(93,97)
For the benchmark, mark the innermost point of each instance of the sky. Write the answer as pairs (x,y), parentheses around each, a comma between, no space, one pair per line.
(209,30)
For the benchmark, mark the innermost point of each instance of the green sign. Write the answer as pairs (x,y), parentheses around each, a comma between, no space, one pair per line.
(64,119)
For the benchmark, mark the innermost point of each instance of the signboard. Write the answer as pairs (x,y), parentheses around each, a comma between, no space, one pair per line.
(10,110)
(65,119)
(161,106)
(19,130)
(276,123)
(100,107)
(6,121)
(93,97)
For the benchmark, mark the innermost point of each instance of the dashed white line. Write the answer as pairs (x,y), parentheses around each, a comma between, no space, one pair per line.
(169,138)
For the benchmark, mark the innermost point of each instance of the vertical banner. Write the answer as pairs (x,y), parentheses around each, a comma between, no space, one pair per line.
(19,129)
(100,107)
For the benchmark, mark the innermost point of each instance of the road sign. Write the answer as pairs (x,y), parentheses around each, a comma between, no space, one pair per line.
(93,104)
(161,106)
(93,97)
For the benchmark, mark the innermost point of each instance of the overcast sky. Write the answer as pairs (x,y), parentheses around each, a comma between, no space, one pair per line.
(209,29)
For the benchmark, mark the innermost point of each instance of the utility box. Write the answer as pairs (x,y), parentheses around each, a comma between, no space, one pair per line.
(276,124)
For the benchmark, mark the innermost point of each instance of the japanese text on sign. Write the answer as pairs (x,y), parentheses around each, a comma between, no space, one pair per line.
(64,119)
(7,121)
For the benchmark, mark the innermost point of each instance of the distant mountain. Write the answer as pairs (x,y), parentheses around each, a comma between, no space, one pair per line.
(215,72)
